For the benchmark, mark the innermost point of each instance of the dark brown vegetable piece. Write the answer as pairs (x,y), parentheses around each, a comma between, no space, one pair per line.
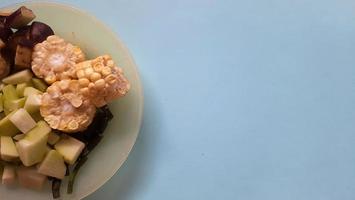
(14,39)
(5,31)
(23,56)
(56,188)
(72,176)
(4,67)
(40,31)
(21,17)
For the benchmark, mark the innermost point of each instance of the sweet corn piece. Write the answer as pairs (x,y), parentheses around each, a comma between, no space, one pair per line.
(65,108)
(54,59)
(101,80)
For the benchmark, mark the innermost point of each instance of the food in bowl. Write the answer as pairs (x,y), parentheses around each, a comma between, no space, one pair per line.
(53,103)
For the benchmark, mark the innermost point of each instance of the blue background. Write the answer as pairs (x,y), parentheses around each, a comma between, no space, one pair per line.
(243,99)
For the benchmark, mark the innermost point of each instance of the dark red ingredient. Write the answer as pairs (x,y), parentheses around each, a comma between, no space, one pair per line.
(40,31)
(20,18)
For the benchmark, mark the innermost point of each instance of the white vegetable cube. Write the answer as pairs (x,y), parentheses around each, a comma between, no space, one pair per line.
(9,175)
(22,120)
(19,137)
(30,91)
(30,178)
(70,148)
(53,165)
(33,147)
(19,77)
(53,138)
(8,149)
(1,103)
(33,103)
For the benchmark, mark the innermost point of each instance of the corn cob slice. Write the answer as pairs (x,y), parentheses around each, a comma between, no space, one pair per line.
(54,59)
(101,80)
(65,109)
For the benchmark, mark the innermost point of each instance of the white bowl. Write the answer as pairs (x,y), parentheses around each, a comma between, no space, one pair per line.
(95,39)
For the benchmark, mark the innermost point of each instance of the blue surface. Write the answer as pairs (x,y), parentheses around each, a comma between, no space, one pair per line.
(243,99)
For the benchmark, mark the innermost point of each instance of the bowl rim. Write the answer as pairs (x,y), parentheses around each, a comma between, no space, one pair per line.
(117,40)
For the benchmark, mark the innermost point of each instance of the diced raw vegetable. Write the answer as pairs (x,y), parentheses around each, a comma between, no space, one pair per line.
(19,137)
(37,116)
(7,128)
(53,138)
(13,105)
(39,84)
(14,39)
(21,17)
(4,67)
(53,165)
(40,31)
(9,175)
(19,77)
(23,56)
(2,115)
(5,13)
(30,91)
(70,148)
(32,148)
(30,178)
(5,32)
(22,120)
(7,149)
(9,92)
(20,88)
(1,103)
(33,103)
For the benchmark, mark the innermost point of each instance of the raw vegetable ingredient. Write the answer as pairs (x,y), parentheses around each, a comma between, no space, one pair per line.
(30,91)
(7,149)
(9,92)
(70,148)
(13,105)
(54,59)
(53,138)
(7,128)
(53,165)
(19,137)
(65,108)
(4,67)
(19,77)
(21,17)
(39,84)
(20,88)
(33,102)
(33,147)
(1,103)
(101,80)
(56,188)
(23,55)
(30,178)
(22,120)
(9,175)
(40,31)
